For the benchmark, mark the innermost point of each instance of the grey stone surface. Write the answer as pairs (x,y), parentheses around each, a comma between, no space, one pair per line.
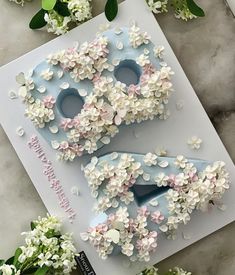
(206,50)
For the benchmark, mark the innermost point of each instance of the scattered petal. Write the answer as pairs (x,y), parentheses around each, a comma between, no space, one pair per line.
(20,78)
(163,64)
(82,92)
(60,73)
(114,155)
(75,191)
(41,89)
(64,85)
(146,176)
(117,120)
(179,104)
(146,51)
(30,73)
(119,45)
(163,163)
(222,207)
(55,144)
(84,236)
(163,228)
(54,129)
(105,140)
(154,202)
(186,236)
(118,31)
(22,91)
(94,160)
(110,68)
(116,61)
(20,131)
(12,94)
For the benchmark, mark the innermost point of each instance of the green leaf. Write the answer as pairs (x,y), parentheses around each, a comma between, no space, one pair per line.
(62,9)
(38,20)
(42,270)
(17,254)
(195,9)
(48,4)
(2,262)
(29,271)
(32,225)
(111,9)
(10,261)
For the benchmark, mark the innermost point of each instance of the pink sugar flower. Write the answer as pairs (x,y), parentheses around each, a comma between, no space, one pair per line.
(96,77)
(133,89)
(66,124)
(78,149)
(143,211)
(157,217)
(64,145)
(148,69)
(49,101)
(171,180)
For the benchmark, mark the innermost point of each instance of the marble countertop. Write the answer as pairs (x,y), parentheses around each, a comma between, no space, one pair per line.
(205,49)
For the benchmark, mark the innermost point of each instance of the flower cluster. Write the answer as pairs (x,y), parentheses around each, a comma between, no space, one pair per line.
(182,11)
(110,183)
(80,10)
(45,248)
(111,104)
(130,235)
(84,63)
(191,190)
(157,6)
(118,180)
(138,38)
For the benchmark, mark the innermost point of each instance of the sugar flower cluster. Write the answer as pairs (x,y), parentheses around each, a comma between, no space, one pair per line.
(111,179)
(130,235)
(85,62)
(113,103)
(192,189)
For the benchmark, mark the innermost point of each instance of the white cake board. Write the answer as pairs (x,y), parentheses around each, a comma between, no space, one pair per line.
(172,134)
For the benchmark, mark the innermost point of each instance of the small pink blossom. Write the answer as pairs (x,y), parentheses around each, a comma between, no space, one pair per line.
(143,211)
(78,149)
(64,145)
(157,217)
(66,124)
(96,77)
(149,69)
(133,90)
(49,101)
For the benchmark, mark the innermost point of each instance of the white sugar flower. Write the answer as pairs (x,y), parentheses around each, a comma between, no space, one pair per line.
(159,51)
(180,161)
(161,179)
(143,60)
(194,142)
(150,159)
(127,249)
(47,74)
(137,38)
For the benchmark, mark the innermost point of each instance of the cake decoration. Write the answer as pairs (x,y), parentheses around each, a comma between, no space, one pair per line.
(144,195)
(87,92)
(194,142)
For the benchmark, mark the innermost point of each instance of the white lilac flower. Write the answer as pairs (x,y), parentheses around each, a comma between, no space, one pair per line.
(9,270)
(180,161)
(150,159)
(161,179)
(127,249)
(80,9)
(56,23)
(194,142)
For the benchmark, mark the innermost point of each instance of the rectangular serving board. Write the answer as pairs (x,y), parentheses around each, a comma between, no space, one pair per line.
(172,134)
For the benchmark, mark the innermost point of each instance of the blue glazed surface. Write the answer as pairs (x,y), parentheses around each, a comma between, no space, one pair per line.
(53,85)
